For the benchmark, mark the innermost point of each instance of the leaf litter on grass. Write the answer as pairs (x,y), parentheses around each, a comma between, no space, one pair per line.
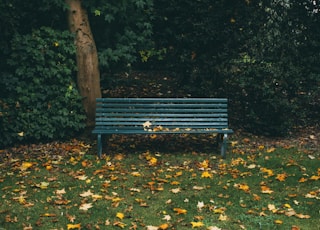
(153,184)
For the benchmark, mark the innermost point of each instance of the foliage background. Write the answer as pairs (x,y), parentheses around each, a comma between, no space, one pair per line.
(262,55)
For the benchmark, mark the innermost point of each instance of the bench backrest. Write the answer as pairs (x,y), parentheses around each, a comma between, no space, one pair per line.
(132,113)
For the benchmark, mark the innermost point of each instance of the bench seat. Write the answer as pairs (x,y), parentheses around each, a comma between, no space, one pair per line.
(162,116)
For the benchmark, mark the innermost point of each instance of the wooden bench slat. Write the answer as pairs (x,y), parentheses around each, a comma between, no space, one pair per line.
(162,100)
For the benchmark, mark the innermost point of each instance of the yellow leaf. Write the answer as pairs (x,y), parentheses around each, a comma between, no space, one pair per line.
(163,226)
(49,215)
(315,178)
(302,180)
(26,165)
(73,226)
(223,217)
(271,150)
(153,161)
(265,189)
(243,187)
(180,211)
(278,222)
(119,224)
(281,177)
(197,224)
(206,174)
(117,199)
(43,185)
(48,167)
(204,164)
(96,197)
(137,174)
(175,183)
(268,171)
(21,134)
(287,205)
(120,215)
(219,210)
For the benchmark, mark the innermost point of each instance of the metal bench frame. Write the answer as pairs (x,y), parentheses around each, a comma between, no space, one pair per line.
(162,116)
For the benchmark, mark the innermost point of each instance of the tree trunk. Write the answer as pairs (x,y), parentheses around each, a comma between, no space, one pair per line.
(88,77)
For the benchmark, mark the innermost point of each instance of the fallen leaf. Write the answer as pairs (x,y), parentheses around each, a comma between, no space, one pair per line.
(213,228)
(175,190)
(87,193)
(270,150)
(61,191)
(180,211)
(302,216)
(136,174)
(150,227)
(48,215)
(281,177)
(70,218)
(265,189)
(73,226)
(26,165)
(200,205)
(85,206)
(278,222)
(243,187)
(197,224)
(163,226)
(120,215)
(268,171)
(219,210)
(119,224)
(166,217)
(223,217)
(147,124)
(198,187)
(206,174)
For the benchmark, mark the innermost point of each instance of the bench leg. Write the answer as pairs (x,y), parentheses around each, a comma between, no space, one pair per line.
(224,146)
(99,146)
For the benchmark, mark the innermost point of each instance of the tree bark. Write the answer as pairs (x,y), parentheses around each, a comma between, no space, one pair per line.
(88,76)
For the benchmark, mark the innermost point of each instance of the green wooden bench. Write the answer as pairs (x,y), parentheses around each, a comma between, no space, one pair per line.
(162,116)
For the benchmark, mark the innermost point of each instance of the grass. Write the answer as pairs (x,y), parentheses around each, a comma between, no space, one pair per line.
(160,183)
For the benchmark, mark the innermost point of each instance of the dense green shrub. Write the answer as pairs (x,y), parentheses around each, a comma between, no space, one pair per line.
(263,55)
(274,83)
(39,99)
(121,30)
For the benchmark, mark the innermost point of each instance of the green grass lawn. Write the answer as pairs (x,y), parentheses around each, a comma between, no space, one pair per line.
(168,183)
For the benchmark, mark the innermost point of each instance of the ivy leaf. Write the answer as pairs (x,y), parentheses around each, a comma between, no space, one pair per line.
(97,13)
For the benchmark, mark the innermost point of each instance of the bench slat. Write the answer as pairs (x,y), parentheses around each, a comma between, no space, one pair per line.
(162,100)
